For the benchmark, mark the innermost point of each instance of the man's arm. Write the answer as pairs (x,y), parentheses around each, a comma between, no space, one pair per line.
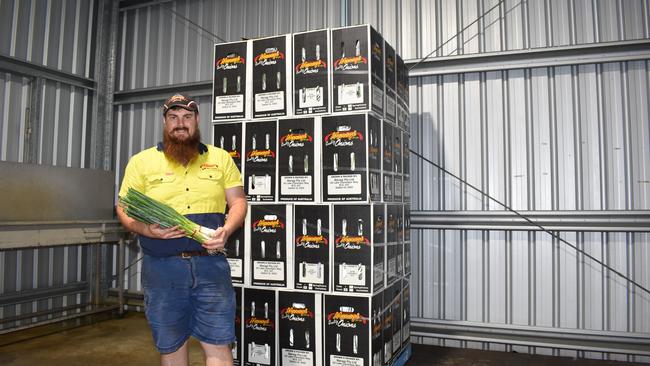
(151,231)
(237,207)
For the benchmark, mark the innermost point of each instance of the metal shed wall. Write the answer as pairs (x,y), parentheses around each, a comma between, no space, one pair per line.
(47,62)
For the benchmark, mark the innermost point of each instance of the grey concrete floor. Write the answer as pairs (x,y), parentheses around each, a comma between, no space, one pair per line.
(127,342)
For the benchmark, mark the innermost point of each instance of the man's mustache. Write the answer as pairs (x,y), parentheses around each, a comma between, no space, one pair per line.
(181,129)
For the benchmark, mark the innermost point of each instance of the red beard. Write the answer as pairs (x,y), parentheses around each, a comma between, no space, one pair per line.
(181,151)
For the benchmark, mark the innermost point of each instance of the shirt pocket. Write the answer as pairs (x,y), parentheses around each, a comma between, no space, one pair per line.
(211,175)
(158,180)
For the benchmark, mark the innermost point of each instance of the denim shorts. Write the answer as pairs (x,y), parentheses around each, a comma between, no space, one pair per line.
(186,297)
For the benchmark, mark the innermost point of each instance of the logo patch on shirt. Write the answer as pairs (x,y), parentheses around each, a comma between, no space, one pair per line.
(209,166)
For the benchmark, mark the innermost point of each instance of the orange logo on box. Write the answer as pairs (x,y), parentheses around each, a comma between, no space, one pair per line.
(310,67)
(349,63)
(348,320)
(297,314)
(269,57)
(230,62)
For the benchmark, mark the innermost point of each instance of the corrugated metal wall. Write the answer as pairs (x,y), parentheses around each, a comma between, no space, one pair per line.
(560,138)
(59,36)
(556,138)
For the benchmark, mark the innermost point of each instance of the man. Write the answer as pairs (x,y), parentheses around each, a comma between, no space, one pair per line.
(187,291)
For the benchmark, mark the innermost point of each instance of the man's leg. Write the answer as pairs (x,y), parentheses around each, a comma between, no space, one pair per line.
(178,358)
(217,355)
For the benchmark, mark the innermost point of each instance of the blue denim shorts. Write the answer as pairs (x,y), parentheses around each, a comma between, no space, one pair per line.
(186,297)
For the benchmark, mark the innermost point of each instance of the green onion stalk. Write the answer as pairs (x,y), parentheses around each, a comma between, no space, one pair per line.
(145,209)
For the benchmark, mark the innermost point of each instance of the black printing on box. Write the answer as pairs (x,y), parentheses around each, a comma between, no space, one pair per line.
(269,77)
(344,158)
(235,250)
(378,243)
(406,153)
(387,162)
(347,331)
(229,83)
(393,213)
(268,245)
(228,136)
(406,312)
(387,329)
(311,247)
(259,327)
(402,118)
(297,321)
(377,329)
(377,71)
(374,158)
(397,165)
(402,83)
(390,74)
(397,317)
(352,248)
(311,72)
(237,346)
(260,161)
(296,159)
(350,69)
(407,240)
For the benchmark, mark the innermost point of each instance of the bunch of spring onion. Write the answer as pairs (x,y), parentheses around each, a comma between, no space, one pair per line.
(145,209)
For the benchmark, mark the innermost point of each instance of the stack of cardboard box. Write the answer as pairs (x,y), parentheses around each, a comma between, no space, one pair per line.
(318,124)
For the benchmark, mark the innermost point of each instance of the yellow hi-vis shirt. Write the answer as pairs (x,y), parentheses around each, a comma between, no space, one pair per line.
(196,188)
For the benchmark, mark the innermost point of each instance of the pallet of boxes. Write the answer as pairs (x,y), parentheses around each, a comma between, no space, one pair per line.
(318,124)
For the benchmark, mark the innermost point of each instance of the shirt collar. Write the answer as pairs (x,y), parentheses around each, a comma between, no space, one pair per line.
(202,147)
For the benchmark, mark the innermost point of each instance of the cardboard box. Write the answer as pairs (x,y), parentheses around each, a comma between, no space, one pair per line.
(379,246)
(299,160)
(390,72)
(407,240)
(397,165)
(402,85)
(312,249)
(311,72)
(374,158)
(236,347)
(353,330)
(393,212)
(229,136)
(300,329)
(236,254)
(356,63)
(260,325)
(229,84)
(345,157)
(387,162)
(270,249)
(271,77)
(387,325)
(354,249)
(406,167)
(396,304)
(406,312)
(260,164)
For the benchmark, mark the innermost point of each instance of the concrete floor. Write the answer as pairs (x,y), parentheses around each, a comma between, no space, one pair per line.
(127,342)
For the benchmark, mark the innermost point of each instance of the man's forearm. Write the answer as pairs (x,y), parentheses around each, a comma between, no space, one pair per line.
(236,216)
(131,224)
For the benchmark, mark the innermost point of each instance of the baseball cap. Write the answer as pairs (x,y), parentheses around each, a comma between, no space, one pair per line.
(180,100)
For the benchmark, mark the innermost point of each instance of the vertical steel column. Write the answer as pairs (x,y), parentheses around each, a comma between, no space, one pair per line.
(104,74)
(33,121)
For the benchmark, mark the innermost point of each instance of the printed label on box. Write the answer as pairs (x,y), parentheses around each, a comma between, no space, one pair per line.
(229,103)
(295,357)
(236,267)
(271,101)
(345,184)
(336,360)
(352,274)
(259,185)
(268,270)
(311,273)
(298,185)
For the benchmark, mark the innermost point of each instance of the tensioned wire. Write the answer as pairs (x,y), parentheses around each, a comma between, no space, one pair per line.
(508,208)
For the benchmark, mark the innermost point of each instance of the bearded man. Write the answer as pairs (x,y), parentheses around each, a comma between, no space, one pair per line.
(187,286)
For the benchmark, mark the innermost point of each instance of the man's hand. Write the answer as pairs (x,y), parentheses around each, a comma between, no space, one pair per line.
(155,231)
(218,240)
